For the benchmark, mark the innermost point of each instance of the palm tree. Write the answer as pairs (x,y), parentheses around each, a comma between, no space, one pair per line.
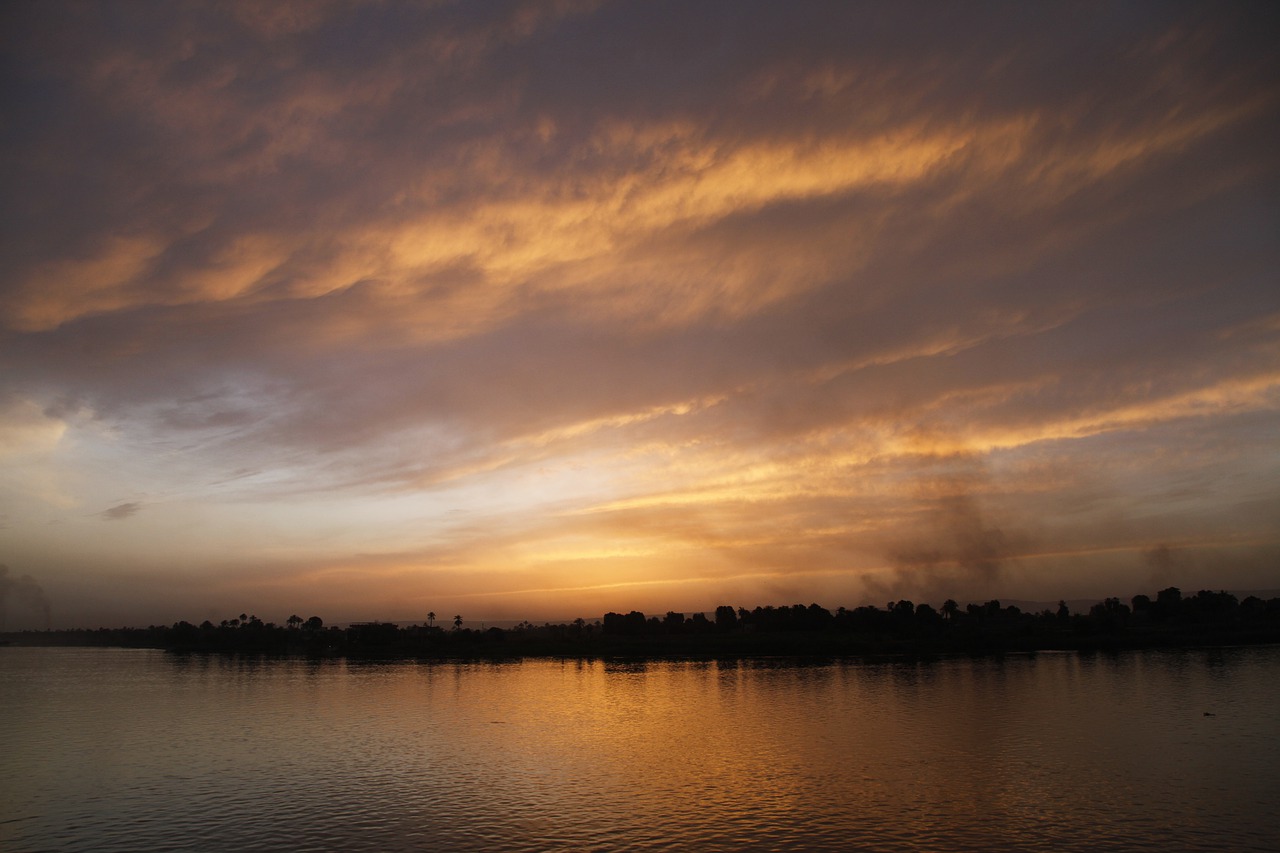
(431,619)
(457,622)
(294,621)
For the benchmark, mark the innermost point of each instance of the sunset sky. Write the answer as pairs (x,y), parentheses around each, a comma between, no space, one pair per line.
(538,310)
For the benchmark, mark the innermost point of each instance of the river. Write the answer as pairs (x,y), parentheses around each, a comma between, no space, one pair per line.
(126,750)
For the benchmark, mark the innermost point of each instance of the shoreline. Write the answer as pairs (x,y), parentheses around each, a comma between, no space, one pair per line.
(796,647)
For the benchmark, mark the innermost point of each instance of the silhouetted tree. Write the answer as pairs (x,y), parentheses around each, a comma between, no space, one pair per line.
(1214,606)
(431,619)
(1253,607)
(294,621)
(1168,603)
(632,625)
(1110,614)
(457,622)
(817,617)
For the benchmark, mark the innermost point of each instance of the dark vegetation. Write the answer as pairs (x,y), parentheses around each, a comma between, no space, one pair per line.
(899,628)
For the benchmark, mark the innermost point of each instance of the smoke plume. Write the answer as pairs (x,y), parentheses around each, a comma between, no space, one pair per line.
(26,592)
(955,552)
(1165,564)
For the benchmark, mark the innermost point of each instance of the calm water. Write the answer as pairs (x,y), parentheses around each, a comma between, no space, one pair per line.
(137,751)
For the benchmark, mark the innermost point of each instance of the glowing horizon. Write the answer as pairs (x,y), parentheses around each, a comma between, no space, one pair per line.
(542,310)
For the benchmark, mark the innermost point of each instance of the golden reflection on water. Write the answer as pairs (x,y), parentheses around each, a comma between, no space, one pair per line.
(1052,752)
(738,750)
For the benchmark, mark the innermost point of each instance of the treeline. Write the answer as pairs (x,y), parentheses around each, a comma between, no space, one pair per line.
(904,626)
(901,627)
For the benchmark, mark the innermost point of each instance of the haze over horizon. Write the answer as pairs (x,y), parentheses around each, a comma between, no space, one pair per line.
(533,310)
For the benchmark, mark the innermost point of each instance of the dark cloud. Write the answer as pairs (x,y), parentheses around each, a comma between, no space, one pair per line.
(121,511)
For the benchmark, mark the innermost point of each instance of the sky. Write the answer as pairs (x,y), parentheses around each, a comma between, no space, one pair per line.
(537,310)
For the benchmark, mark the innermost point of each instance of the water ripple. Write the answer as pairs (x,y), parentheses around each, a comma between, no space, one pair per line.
(108,750)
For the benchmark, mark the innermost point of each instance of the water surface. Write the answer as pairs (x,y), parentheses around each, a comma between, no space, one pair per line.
(106,750)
